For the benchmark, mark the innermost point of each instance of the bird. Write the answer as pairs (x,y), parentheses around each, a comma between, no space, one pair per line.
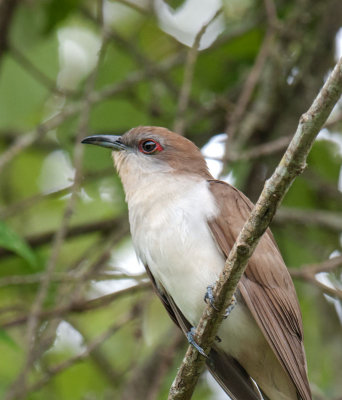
(183,223)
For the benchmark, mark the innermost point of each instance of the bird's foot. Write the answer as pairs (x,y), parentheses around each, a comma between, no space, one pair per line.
(209,296)
(231,306)
(191,340)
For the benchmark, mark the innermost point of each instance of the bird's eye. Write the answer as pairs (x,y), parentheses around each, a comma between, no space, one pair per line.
(149,146)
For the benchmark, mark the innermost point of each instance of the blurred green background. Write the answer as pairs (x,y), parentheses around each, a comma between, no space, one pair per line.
(78,318)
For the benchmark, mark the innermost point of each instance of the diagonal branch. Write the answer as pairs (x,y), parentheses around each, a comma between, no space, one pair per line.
(291,165)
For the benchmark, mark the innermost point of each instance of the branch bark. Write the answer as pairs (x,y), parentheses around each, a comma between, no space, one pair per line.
(291,165)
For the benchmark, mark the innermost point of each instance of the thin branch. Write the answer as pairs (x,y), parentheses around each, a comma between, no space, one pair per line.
(247,91)
(324,189)
(158,364)
(36,73)
(259,151)
(80,306)
(16,208)
(65,277)
(324,219)
(27,139)
(291,165)
(312,269)
(307,273)
(118,224)
(102,359)
(333,292)
(184,95)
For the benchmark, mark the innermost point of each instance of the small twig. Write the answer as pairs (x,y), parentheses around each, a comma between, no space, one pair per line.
(80,306)
(247,91)
(100,357)
(65,277)
(333,292)
(27,139)
(262,150)
(265,149)
(325,219)
(291,165)
(308,272)
(118,224)
(234,119)
(36,73)
(16,208)
(139,385)
(188,77)
(167,356)
(312,269)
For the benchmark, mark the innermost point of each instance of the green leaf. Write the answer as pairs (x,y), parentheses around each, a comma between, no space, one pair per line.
(11,241)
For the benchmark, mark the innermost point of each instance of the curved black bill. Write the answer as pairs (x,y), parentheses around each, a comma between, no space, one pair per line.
(110,141)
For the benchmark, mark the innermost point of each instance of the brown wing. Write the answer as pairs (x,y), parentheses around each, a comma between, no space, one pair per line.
(266,286)
(228,372)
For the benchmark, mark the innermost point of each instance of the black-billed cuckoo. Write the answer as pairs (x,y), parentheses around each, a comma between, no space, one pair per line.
(183,225)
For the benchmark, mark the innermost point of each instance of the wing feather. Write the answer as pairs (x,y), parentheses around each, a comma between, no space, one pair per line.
(266,285)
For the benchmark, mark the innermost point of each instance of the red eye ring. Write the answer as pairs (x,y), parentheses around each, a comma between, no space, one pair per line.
(149,146)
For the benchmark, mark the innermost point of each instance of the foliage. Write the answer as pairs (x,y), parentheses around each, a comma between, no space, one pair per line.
(59,84)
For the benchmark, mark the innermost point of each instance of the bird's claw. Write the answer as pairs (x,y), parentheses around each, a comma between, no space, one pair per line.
(230,308)
(191,340)
(209,296)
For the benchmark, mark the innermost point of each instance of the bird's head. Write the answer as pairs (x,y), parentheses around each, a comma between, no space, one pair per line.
(147,149)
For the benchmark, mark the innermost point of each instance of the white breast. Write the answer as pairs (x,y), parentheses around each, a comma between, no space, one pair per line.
(170,234)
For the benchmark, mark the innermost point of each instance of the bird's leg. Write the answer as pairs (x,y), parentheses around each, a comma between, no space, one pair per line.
(191,340)
(210,296)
